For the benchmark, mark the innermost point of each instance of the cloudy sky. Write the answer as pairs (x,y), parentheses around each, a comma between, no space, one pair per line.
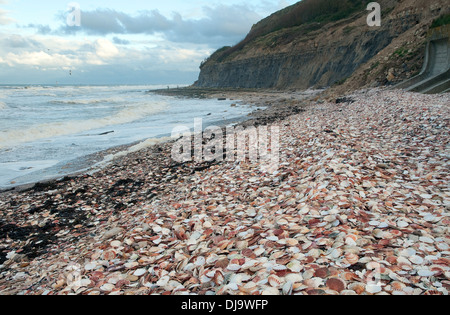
(119,42)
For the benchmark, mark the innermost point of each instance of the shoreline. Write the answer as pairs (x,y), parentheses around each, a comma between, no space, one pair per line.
(361,181)
(249,97)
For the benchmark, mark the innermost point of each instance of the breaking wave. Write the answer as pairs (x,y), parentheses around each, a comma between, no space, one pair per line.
(87,101)
(2,105)
(49,130)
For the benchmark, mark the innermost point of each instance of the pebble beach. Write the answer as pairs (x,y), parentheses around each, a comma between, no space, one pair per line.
(359,205)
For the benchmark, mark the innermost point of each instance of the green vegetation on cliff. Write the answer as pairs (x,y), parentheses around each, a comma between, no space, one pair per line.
(443,20)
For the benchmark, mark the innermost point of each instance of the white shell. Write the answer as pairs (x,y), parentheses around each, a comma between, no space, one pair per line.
(415,259)
(90,266)
(107,287)
(234,267)
(270,291)
(140,272)
(373,288)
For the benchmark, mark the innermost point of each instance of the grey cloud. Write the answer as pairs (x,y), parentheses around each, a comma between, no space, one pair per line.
(41,29)
(120,41)
(17,41)
(106,21)
(222,24)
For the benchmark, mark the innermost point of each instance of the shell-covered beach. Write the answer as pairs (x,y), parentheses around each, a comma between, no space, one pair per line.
(358,205)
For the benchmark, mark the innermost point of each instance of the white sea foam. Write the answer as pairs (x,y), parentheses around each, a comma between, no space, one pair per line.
(11,170)
(49,130)
(2,105)
(88,101)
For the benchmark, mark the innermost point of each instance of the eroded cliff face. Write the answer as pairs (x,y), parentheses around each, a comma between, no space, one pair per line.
(326,56)
(319,66)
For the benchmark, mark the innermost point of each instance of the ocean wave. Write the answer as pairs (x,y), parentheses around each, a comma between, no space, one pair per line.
(2,105)
(50,130)
(87,101)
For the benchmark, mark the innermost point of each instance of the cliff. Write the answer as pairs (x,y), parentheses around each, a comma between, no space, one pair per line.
(323,43)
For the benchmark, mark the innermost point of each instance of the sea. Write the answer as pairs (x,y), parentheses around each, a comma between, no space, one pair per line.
(48,132)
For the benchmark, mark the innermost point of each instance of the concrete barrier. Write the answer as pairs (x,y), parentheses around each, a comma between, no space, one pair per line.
(435,74)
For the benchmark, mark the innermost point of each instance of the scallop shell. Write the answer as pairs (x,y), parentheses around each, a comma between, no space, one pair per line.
(291,242)
(116,244)
(308,274)
(108,287)
(200,261)
(336,284)
(204,279)
(442,246)
(288,288)
(249,264)
(90,266)
(425,273)
(373,288)
(397,286)
(279,267)
(426,239)
(335,253)
(415,259)
(249,287)
(408,252)
(234,267)
(358,287)
(163,281)
(270,291)
(218,278)
(277,255)
(405,266)
(348,276)
(350,241)
(259,251)
(140,272)
(295,266)
(313,283)
(212,259)
(109,255)
(294,277)
(402,224)
(373,265)
(274,281)
(392,260)
(351,258)
(241,245)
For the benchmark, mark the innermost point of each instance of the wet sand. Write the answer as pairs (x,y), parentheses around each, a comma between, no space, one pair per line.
(362,186)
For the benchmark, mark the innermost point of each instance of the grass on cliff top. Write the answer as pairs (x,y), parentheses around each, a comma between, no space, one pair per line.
(441,21)
(315,13)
